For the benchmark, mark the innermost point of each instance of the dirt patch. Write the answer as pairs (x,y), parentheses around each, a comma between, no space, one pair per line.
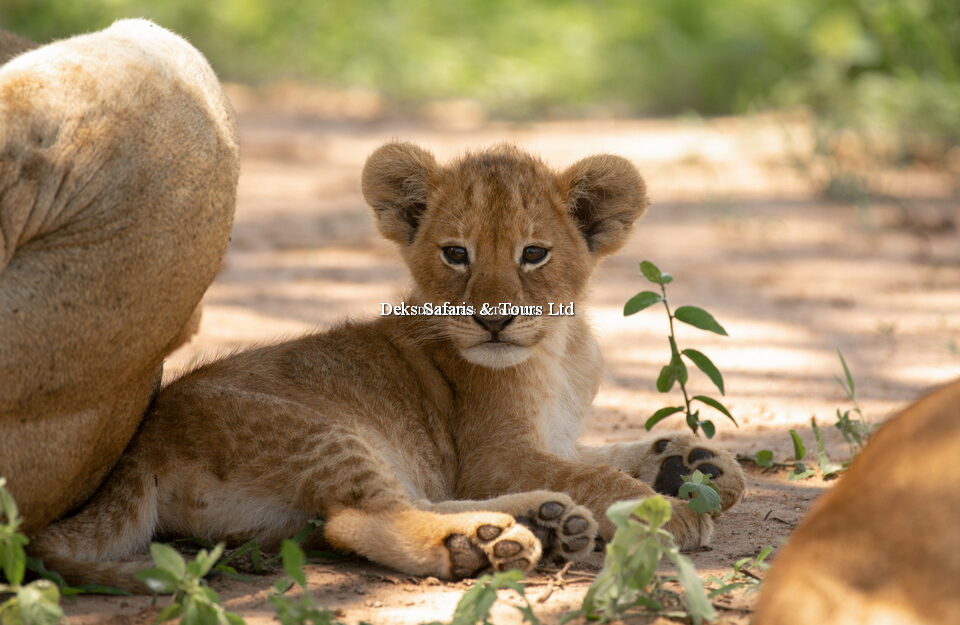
(792,277)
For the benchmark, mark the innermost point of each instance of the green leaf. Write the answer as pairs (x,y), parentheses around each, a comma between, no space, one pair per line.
(649,603)
(706,365)
(10,613)
(666,379)
(850,388)
(172,611)
(695,597)
(39,603)
(799,451)
(293,561)
(660,415)
(701,492)
(205,561)
(14,559)
(95,589)
(655,511)
(8,506)
(651,272)
(158,580)
(640,301)
(307,530)
(764,459)
(166,558)
(800,472)
(474,606)
(827,468)
(708,428)
(699,318)
(713,403)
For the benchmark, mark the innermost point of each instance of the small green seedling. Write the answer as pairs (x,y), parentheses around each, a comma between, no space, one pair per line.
(827,468)
(36,603)
(304,611)
(193,600)
(675,372)
(475,604)
(800,470)
(703,494)
(628,582)
(764,459)
(743,575)
(855,431)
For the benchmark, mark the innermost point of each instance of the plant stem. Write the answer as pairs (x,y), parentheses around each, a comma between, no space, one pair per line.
(673,346)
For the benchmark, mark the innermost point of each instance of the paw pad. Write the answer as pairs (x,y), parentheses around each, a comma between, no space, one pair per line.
(681,455)
(465,557)
(519,563)
(699,454)
(575,525)
(565,530)
(491,545)
(488,532)
(670,477)
(551,510)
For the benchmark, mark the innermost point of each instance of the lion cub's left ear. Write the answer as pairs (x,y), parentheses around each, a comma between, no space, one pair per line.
(605,195)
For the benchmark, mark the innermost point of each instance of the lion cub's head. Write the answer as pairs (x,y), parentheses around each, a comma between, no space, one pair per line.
(499,227)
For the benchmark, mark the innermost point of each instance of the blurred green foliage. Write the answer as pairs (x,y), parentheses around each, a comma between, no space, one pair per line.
(864,61)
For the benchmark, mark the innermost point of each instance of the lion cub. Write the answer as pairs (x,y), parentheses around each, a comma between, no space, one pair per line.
(435,444)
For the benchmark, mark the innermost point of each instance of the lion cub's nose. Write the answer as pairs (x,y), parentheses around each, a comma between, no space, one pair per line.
(494,324)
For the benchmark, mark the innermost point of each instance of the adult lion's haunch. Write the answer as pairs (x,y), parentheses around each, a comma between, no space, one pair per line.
(438,445)
(118,172)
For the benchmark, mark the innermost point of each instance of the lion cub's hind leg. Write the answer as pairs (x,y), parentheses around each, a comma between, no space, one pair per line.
(423,542)
(368,510)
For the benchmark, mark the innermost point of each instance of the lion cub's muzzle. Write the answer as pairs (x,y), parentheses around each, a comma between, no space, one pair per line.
(494,324)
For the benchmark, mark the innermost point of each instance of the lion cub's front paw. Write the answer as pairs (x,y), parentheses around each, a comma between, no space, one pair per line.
(670,458)
(689,532)
(495,544)
(566,530)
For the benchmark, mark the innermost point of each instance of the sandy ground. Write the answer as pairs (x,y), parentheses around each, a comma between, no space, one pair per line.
(740,225)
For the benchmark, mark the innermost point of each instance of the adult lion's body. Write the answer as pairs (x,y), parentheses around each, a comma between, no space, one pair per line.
(883,545)
(436,444)
(118,170)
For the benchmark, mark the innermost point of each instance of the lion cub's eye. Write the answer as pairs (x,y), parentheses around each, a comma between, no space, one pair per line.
(455,255)
(534,255)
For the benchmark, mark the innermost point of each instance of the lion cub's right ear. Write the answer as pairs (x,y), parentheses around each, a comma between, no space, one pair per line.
(396,183)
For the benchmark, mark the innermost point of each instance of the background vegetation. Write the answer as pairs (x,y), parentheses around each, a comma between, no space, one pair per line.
(894,61)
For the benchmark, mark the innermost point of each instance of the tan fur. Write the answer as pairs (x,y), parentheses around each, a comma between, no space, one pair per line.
(118,171)
(423,443)
(883,545)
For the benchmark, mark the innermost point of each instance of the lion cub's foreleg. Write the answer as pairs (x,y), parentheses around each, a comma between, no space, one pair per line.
(663,463)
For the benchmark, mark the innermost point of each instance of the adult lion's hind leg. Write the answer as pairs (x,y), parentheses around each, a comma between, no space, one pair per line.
(423,542)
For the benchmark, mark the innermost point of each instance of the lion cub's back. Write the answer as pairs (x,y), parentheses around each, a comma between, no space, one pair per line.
(354,380)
